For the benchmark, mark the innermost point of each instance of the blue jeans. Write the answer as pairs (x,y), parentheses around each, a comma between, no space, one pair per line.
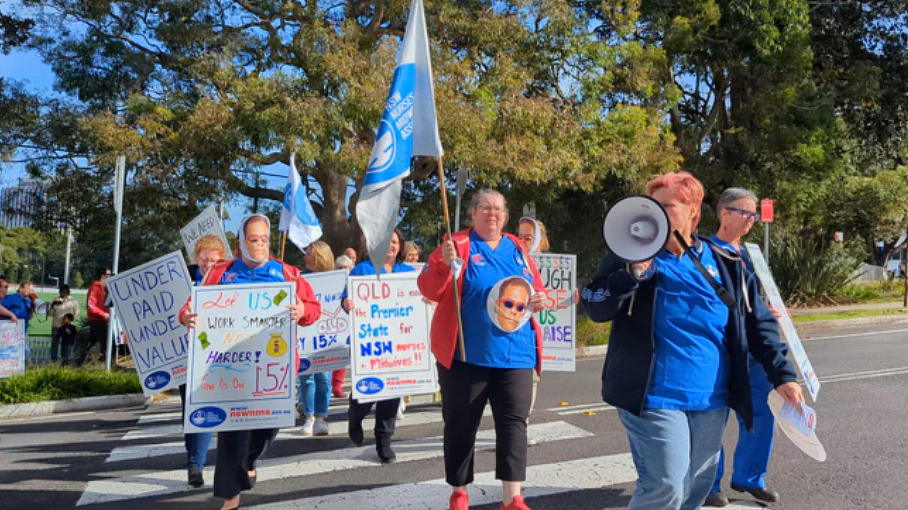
(315,393)
(196,444)
(754,448)
(675,453)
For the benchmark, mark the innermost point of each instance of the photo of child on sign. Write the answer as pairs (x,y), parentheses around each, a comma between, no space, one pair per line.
(508,303)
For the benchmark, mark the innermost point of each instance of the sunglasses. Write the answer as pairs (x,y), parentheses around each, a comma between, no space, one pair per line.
(512,304)
(749,215)
(257,239)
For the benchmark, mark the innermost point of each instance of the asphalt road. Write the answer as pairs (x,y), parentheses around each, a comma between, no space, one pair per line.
(131,458)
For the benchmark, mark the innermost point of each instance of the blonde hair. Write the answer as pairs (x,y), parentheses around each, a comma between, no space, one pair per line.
(544,241)
(210,242)
(410,246)
(324,257)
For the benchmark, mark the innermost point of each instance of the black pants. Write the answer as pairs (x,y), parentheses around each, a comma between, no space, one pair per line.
(465,389)
(54,343)
(97,334)
(385,414)
(237,452)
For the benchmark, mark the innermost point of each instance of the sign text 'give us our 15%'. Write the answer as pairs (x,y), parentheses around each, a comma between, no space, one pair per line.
(242,357)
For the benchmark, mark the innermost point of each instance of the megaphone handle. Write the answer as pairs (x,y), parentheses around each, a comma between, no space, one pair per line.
(720,290)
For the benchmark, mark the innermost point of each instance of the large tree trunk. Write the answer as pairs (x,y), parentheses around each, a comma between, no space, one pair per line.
(337,230)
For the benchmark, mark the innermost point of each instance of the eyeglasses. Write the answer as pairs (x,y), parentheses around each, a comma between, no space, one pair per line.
(488,209)
(747,215)
(257,239)
(511,304)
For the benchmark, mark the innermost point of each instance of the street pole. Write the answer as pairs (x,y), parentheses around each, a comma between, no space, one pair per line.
(766,242)
(461,186)
(118,205)
(69,250)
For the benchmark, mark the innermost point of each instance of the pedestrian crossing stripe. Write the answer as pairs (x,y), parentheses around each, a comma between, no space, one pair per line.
(171,482)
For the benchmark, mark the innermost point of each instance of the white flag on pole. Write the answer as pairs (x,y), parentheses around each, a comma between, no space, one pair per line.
(408,128)
(297,216)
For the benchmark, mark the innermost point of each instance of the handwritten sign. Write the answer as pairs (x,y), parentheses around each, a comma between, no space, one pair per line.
(771,292)
(147,300)
(558,319)
(391,355)
(209,222)
(325,345)
(242,358)
(12,348)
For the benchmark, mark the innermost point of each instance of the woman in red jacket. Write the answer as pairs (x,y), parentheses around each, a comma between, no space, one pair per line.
(499,288)
(239,450)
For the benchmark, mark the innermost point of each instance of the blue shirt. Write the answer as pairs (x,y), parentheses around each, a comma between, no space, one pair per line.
(486,344)
(691,367)
(239,272)
(365,268)
(20,306)
(730,248)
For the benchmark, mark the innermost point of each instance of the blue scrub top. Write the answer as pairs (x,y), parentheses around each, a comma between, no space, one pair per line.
(691,365)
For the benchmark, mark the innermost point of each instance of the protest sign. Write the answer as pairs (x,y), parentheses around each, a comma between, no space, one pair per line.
(391,354)
(325,344)
(147,300)
(209,222)
(771,292)
(12,348)
(558,319)
(242,358)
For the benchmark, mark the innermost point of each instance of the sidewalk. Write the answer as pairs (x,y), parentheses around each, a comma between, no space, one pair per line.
(889,305)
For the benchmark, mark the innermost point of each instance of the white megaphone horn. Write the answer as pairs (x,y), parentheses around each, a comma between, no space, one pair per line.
(636,228)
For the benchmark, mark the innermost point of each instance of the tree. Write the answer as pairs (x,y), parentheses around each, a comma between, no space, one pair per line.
(202,94)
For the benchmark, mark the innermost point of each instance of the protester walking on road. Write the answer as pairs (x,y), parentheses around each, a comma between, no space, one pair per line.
(239,450)
(683,324)
(737,210)
(62,305)
(499,289)
(315,389)
(385,410)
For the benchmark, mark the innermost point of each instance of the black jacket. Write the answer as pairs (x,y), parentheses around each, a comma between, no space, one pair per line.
(614,295)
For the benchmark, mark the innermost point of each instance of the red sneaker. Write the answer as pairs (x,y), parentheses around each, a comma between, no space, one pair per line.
(460,500)
(517,504)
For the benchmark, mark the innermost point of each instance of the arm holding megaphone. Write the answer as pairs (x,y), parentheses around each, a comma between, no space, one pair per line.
(610,291)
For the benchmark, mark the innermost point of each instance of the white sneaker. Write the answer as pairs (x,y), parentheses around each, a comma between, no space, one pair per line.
(307,426)
(321,427)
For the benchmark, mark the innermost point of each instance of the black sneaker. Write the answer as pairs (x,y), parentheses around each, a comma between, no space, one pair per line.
(716,499)
(195,477)
(766,495)
(385,453)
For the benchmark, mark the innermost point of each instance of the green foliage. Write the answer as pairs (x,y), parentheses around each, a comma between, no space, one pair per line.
(56,383)
(591,333)
(78,280)
(811,271)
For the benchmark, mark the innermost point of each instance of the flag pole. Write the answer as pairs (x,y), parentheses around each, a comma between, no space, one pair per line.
(444,205)
(283,244)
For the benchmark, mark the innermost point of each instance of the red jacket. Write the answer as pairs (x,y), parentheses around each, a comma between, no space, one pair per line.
(94,305)
(304,294)
(435,284)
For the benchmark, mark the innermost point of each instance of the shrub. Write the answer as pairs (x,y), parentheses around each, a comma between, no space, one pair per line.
(811,271)
(56,383)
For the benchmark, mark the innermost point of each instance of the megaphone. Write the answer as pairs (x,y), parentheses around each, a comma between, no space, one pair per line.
(636,228)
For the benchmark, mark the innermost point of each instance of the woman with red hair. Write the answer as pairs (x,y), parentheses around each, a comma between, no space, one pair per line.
(678,351)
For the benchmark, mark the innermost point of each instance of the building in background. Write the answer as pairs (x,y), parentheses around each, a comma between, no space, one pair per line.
(20,205)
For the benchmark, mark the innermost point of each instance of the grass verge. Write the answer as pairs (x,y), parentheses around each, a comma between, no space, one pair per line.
(591,333)
(854,314)
(57,383)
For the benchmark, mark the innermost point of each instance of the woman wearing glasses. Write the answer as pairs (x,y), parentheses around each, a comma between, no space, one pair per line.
(499,288)
(238,450)
(737,210)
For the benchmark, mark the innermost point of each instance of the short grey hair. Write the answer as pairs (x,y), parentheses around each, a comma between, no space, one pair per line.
(732,195)
(479,195)
(343,262)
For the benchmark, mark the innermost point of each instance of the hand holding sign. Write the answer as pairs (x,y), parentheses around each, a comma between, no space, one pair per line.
(297,311)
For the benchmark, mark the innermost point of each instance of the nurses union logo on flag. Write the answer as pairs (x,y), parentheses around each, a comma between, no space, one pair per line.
(393,146)
(384,150)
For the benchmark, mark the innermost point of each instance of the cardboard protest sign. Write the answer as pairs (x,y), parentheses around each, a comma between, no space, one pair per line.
(147,300)
(325,345)
(558,319)
(209,222)
(242,358)
(391,355)
(771,292)
(12,348)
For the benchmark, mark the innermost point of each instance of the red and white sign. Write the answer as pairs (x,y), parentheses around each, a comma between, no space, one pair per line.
(766,210)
